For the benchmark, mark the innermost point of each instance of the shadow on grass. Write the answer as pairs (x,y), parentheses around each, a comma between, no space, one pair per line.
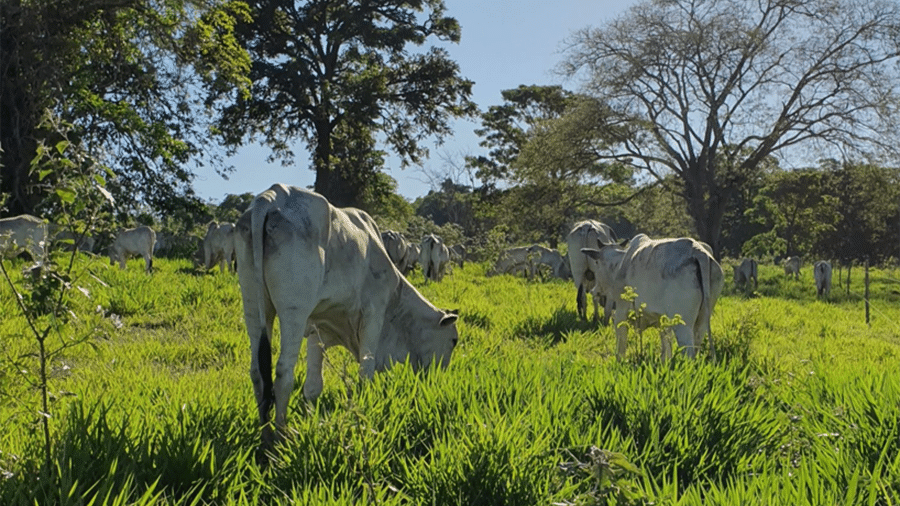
(553,330)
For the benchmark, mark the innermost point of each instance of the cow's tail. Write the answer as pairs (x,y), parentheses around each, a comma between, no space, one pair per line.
(703,262)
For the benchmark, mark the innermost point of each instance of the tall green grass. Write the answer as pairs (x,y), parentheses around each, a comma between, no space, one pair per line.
(803,406)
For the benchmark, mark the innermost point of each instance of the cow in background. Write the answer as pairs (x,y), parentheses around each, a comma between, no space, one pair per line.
(558,264)
(512,261)
(670,277)
(218,246)
(325,273)
(745,273)
(24,233)
(133,242)
(433,257)
(822,274)
(458,254)
(398,250)
(791,267)
(594,235)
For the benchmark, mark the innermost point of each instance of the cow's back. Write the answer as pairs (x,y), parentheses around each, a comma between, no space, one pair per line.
(24,232)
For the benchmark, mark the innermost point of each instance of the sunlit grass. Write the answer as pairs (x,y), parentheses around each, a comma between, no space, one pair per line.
(803,406)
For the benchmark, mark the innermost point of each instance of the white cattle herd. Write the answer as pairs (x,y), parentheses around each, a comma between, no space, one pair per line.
(331,276)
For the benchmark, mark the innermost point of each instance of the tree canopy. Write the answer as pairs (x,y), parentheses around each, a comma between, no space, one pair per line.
(125,74)
(713,87)
(340,75)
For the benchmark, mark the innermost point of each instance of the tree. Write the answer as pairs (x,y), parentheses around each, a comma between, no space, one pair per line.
(867,197)
(505,127)
(798,208)
(719,85)
(337,75)
(124,73)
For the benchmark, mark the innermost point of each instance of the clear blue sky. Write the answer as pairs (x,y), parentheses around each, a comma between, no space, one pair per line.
(504,43)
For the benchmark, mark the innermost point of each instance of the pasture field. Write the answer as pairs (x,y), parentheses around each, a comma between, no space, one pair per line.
(802,406)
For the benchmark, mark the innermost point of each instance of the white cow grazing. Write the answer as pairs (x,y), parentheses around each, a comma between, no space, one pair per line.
(792,267)
(550,257)
(433,257)
(588,234)
(671,276)
(133,242)
(69,241)
(24,233)
(512,261)
(822,273)
(415,249)
(218,246)
(458,254)
(318,267)
(398,250)
(745,273)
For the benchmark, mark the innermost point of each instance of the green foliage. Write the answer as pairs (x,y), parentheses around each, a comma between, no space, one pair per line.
(338,76)
(125,73)
(800,408)
(693,85)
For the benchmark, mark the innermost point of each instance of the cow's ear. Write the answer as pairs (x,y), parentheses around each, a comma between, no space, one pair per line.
(448,319)
(591,252)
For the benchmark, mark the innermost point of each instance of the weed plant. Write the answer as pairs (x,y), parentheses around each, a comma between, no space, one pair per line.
(801,407)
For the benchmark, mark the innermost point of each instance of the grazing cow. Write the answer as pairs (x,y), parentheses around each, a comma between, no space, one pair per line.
(70,241)
(745,273)
(325,273)
(133,242)
(671,276)
(24,233)
(588,234)
(218,246)
(415,249)
(398,250)
(822,273)
(433,257)
(512,261)
(550,257)
(458,254)
(791,267)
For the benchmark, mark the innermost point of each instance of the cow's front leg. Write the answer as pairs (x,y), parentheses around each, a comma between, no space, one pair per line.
(370,333)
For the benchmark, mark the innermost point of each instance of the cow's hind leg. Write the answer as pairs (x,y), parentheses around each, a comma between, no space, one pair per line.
(261,366)
(581,302)
(315,357)
(293,326)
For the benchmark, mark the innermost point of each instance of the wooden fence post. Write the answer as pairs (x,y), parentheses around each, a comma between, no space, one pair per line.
(867,292)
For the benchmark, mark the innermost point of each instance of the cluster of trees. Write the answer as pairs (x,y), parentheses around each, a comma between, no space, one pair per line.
(149,88)
(686,109)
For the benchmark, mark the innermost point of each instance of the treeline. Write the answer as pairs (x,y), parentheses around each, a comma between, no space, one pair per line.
(846,212)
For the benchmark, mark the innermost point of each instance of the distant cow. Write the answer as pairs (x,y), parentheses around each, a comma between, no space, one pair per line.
(398,250)
(588,234)
(326,275)
(792,267)
(218,246)
(671,276)
(24,233)
(822,273)
(70,241)
(458,254)
(558,264)
(512,261)
(133,242)
(746,273)
(433,257)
